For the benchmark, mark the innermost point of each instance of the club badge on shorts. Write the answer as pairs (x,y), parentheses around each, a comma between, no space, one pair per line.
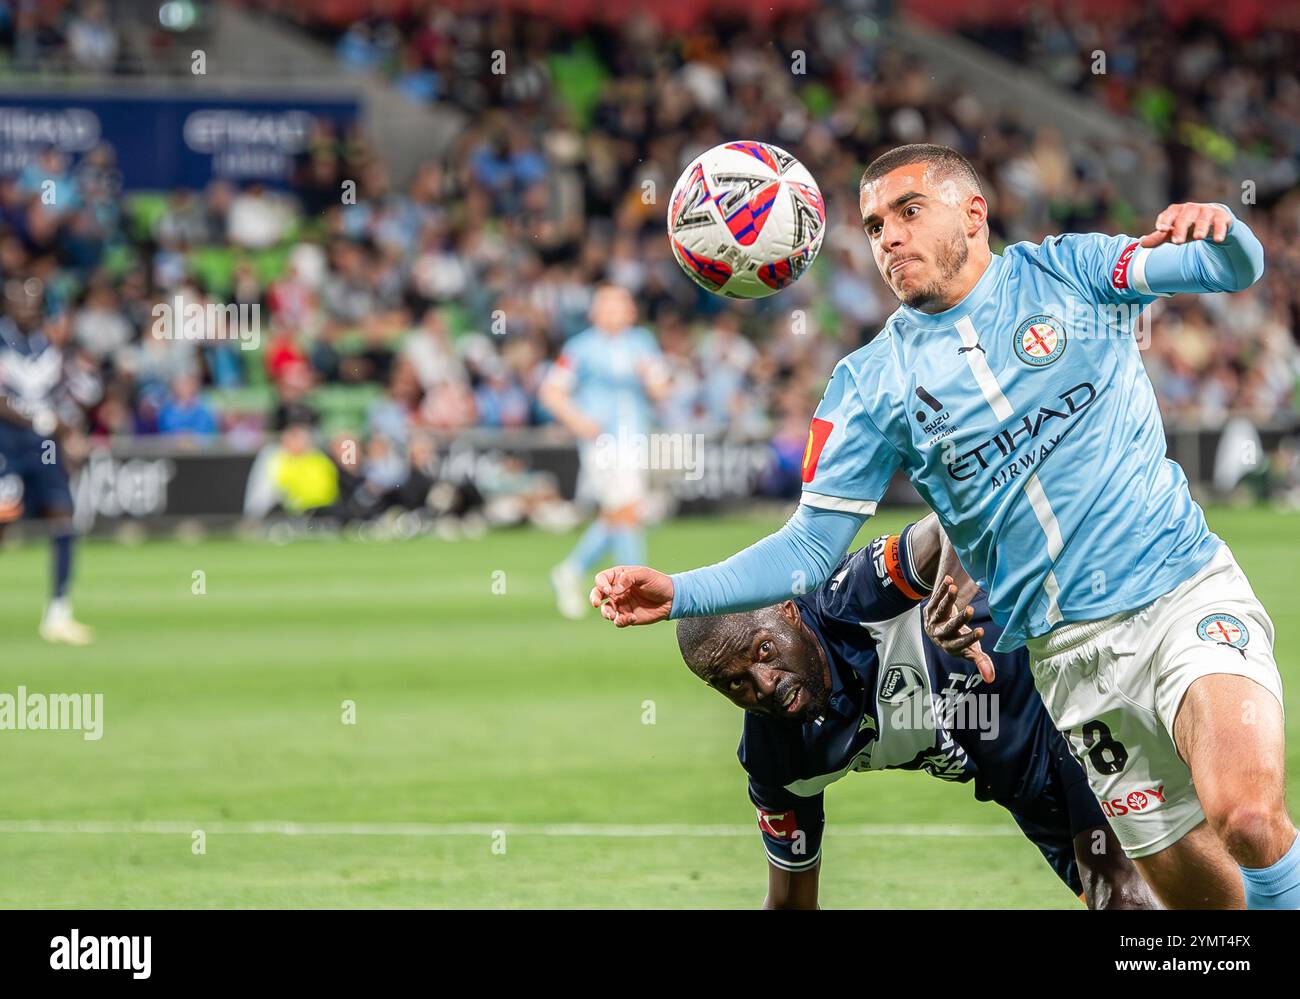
(1223,629)
(1040,340)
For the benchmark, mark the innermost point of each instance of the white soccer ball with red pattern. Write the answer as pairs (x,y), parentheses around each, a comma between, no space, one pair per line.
(746,219)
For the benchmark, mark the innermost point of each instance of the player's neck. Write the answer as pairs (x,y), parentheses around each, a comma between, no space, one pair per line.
(964,281)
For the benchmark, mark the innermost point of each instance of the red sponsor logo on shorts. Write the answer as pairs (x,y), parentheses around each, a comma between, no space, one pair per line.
(1134,801)
(817,434)
(781,825)
(1119,273)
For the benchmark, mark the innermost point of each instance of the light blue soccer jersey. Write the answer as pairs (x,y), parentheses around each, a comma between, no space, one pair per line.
(1025,419)
(606,377)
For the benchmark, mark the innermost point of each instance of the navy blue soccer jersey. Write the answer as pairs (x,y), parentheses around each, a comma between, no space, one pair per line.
(898,702)
(35,380)
(31,370)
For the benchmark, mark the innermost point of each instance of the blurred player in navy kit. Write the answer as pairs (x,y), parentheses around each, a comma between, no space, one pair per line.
(846,678)
(41,388)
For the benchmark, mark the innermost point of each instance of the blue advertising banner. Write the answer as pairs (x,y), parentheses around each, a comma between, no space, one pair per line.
(164,143)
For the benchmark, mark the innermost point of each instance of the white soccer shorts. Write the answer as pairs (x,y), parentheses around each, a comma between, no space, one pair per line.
(1113,687)
(610,476)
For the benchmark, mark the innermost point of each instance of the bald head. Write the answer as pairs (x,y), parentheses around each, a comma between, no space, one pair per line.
(766,661)
(706,642)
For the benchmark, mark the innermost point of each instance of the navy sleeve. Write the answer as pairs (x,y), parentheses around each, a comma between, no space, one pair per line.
(791,826)
(875,583)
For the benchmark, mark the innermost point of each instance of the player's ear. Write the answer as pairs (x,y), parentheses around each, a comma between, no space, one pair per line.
(977,214)
(790,611)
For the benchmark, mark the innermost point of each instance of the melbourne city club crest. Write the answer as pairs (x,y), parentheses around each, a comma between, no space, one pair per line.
(1223,629)
(1040,340)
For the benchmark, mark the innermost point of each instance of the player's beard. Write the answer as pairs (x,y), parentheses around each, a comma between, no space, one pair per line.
(950,258)
(818,697)
(813,680)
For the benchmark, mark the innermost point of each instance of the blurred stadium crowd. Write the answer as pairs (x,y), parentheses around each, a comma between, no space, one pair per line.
(437,306)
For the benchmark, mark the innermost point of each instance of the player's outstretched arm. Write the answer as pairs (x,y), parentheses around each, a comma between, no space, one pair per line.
(795,560)
(1197,248)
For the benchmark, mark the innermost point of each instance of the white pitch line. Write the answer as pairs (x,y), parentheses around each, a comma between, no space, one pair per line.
(96,827)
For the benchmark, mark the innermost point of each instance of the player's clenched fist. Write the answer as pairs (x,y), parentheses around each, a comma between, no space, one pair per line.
(1191,221)
(632,594)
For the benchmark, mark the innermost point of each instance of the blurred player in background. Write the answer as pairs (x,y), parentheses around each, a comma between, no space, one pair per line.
(603,388)
(845,679)
(42,391)
(1011,390)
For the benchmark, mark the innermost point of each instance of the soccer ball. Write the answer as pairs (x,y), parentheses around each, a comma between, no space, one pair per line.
(746,219)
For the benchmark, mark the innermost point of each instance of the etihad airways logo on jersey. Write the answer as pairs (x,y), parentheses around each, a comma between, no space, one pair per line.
(1010,438)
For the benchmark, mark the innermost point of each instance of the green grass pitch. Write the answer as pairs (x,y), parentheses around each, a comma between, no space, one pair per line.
(477,713)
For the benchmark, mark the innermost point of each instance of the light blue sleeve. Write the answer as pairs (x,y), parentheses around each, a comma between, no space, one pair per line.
(572,359)
(1118,269)
(1203,265)
(795,560)
(1100,266)
(847,462)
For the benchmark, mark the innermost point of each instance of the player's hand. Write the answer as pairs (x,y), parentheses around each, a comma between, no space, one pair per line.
(1191,221)
(632,594)
(945,622)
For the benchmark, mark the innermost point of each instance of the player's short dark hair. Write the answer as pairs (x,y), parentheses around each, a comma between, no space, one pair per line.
(948,163)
